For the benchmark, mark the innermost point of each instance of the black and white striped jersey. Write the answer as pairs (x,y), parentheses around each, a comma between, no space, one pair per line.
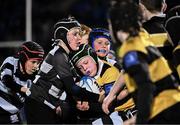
(11,81)
(52,78)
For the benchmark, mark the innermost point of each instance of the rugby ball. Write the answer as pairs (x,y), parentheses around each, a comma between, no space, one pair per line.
(89,84)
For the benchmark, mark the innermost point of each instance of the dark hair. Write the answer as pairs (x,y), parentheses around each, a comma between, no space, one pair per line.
(125,15)
(153,5)
(172,24)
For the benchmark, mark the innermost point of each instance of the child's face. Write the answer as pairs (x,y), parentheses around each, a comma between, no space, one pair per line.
(102,46)
(74,38)
(32,66)
(87,66)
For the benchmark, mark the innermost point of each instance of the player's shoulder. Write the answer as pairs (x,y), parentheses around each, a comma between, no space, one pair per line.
(131,58)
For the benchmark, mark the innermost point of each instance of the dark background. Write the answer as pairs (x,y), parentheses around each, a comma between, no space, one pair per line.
(45,13)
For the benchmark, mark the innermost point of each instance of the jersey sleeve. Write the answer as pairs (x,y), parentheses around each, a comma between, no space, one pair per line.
(136,66)
(62,65)
(7,70)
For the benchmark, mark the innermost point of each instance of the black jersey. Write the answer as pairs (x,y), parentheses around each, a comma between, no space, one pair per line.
(12,79)
(148,75)
(155,25)
(48,84)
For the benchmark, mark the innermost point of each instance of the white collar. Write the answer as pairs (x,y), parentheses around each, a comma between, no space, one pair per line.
(100,66)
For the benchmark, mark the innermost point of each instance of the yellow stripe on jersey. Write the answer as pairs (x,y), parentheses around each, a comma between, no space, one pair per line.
(130,83)
(178,47)
(164,100)
(178,70)
(110,75)
(159,66)
(176,52)
(132,46)
(160,39)
(144,33)
(127,105)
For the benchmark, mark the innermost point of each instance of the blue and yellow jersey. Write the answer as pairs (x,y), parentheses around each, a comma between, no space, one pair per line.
(106,77)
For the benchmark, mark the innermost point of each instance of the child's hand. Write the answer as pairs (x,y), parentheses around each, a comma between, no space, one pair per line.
(101,96)
(24,89)
(59,111)
(82,105)
(130,121)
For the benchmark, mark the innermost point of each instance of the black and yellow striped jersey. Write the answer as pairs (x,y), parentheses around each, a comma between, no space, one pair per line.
(158,39)
(161,41)
(148,76)
(106,77)
(176,53)
(107,73)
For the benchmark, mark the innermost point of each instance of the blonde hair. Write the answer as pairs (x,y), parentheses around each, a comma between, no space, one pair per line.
(85,29)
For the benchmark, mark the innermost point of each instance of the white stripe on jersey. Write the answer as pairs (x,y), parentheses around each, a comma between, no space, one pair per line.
(98,122)
(54,91)
(52,52)
(26,83)
(36,78)
(10,60)
(3,88)
(49,104)
(6,72)
(8,106)
(45,67)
